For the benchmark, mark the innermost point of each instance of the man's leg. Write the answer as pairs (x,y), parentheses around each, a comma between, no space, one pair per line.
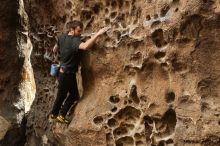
(73,96)
(61,94)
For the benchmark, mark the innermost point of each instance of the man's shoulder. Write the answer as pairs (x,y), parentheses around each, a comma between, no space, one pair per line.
(63,35)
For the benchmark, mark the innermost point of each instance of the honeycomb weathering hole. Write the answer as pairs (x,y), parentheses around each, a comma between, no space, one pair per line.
(114,109)
(148,17)
(169,118)
(98,120)
(159,55)
(112,122)
(96,8)
(170,97)
(148,119)
(129,113)
(158,38)
(164,10)
(114,99)
(120,131)
(169,141)
(139,143)
(161,143)
(125,141)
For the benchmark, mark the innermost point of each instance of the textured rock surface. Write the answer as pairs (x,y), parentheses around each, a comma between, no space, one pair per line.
(17,87)
(5,125)
(153,79)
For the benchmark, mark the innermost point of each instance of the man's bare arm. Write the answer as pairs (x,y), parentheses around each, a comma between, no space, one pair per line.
(89,43)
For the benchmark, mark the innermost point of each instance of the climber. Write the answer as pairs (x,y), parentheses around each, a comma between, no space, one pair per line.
(70,45)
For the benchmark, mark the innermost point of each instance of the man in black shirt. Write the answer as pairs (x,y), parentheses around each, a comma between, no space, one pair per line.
(69,46)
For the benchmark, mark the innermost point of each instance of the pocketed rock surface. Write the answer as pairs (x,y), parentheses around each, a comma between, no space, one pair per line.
(152,80)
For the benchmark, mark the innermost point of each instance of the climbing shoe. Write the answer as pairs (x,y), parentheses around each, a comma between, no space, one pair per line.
(61,119)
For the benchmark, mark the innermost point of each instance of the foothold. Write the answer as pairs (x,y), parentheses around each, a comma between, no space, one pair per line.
(98,120)
(170,97)
(114,99)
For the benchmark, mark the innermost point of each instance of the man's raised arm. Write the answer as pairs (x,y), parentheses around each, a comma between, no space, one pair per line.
(89,43)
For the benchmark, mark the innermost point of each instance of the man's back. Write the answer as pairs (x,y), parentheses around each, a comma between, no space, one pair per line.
(69,51)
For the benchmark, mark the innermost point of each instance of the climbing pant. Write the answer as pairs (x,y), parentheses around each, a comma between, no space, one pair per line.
(66,84)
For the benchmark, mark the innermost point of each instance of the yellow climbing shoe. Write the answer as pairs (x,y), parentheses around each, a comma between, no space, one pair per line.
(61,119)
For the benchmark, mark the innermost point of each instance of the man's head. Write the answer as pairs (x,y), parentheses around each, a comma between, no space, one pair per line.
(75,27)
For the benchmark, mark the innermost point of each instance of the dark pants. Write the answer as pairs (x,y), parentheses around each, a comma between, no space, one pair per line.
(67,84)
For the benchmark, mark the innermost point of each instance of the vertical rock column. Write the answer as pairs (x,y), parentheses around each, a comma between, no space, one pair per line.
(17,86)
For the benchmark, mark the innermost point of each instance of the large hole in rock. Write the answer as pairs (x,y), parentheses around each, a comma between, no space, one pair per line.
(125,141)
(161,143)
(96,8)
(98,120)
(159,55)
(114,109)
(158,38)
(129,114)
(85,15)
(120,131)
(140,143)
(170,97)
(164,10)
(170,120)
(133,94)
(114,99)
(112,122)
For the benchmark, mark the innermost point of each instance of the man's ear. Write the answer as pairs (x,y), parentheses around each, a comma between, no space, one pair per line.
(72,31)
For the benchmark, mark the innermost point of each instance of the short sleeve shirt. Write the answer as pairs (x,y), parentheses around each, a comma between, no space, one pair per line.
(69,51)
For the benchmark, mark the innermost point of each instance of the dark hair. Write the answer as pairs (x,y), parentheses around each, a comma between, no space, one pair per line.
(73,24)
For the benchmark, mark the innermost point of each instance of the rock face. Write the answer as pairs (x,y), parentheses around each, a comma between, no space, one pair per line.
(17,87)
(153,79)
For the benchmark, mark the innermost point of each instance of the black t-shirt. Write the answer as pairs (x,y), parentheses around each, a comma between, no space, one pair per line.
(70,53)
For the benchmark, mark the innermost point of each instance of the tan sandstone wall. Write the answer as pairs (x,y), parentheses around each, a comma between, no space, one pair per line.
(153,79)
